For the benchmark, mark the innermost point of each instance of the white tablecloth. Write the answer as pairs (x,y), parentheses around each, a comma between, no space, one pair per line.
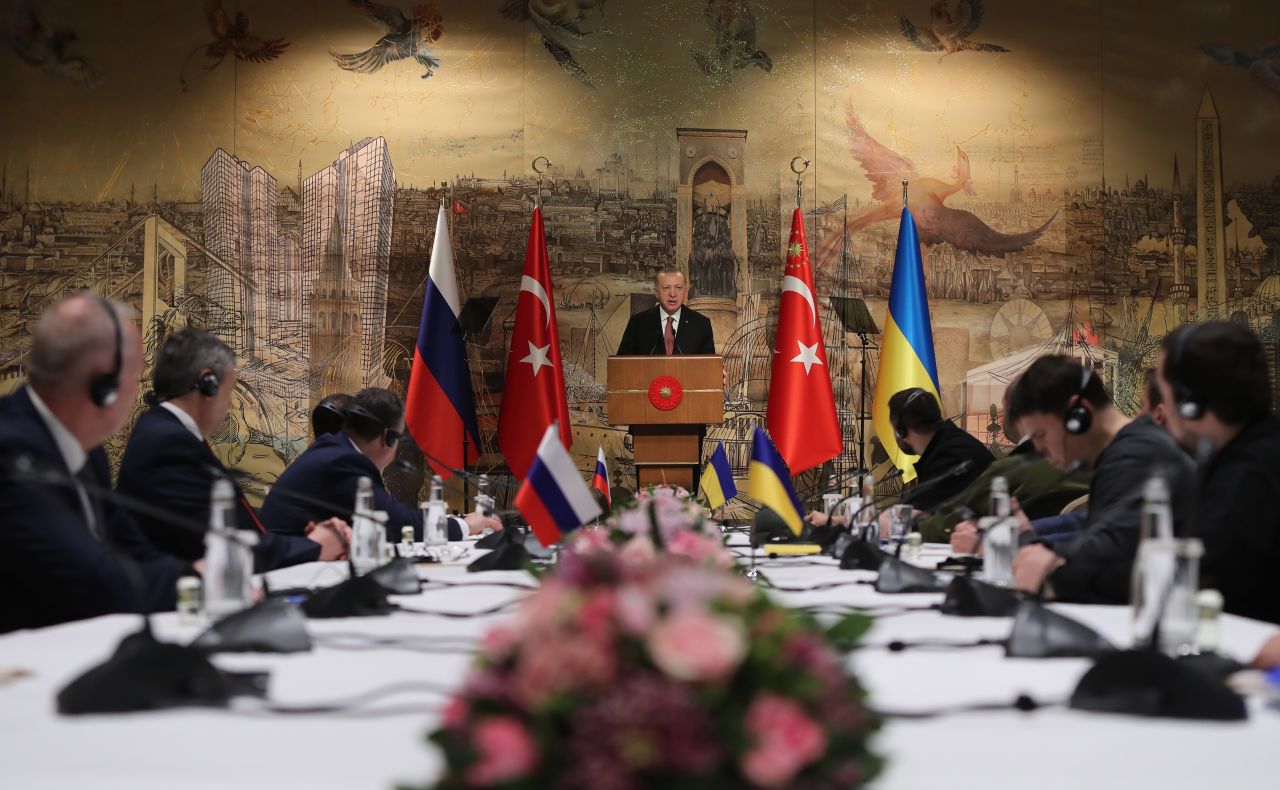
(1053,748)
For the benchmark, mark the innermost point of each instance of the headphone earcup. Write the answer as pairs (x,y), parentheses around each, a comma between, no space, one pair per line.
(1188,406)
(104,389)
(207,385)
(1078,420)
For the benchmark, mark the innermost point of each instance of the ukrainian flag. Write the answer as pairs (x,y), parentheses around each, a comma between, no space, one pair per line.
(769,481)
(906,353)
(717,479)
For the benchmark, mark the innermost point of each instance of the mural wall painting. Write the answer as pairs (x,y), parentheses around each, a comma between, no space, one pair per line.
(1083,178)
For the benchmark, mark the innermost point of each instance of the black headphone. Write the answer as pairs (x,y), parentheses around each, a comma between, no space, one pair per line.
(1078,419)
(393,435)
(207,385)
(899,431)
(1190,406)
(105,387)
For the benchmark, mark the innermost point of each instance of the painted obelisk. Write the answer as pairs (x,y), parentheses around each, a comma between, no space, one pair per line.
(1211,237)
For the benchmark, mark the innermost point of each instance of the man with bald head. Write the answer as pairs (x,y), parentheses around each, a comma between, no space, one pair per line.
(66,552)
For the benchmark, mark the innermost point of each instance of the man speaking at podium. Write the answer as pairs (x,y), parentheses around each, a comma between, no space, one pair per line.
(669,327)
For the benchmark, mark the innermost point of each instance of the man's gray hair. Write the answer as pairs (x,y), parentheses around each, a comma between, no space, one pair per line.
(669,270)
(71,339)
(183,356)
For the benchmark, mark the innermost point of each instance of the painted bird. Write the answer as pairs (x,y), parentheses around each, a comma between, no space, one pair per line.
(230,37)
(949,31)
(406,37)
(936,222)
(1263,68)
(733,27)
(557,23)
(48,48)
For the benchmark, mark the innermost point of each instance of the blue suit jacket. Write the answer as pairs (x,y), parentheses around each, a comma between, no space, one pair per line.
(167,465)
(52,569)
(327,472)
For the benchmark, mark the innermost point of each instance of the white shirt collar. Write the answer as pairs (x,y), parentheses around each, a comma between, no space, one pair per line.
(73,455)
(187,420)
(353,444)
(662,319)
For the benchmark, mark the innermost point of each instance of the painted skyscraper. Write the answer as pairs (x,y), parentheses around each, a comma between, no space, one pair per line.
(1211,237)
(241,225)
(359,190)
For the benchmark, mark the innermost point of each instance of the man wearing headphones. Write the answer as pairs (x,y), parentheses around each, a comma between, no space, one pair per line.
(169,463)
(1214,379)
(1069,416)
(941,444)
(321,483)
(67,550)
(328,414)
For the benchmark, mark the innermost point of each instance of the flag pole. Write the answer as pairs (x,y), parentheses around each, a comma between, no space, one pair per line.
(537,192)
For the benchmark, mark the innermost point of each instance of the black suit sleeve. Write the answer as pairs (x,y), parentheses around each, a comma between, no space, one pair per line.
(708,340)
(636,341)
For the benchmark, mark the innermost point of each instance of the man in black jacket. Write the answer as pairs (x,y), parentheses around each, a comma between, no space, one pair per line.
(1067,412)
(1214,380)
(321,483)
(168,461)
(942,446)
(67,550)
(669,327)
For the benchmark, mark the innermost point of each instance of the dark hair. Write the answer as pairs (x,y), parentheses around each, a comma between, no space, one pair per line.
(182,357)
(1010,424)
(914,409)
(1221,366)
(1048,386)
(372,411)
(329,413)
(1152,388)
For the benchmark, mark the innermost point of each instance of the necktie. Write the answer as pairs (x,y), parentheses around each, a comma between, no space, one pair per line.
(240,497)
(94,518)
(669,337)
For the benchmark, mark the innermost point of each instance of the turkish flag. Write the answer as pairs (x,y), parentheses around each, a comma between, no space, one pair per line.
(458,208)
(801,414)
(533,396)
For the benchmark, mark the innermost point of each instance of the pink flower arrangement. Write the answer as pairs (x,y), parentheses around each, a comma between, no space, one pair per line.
(645,659)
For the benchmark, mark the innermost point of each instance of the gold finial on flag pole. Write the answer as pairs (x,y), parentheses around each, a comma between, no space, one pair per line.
(799,171)
(904,193)
(537,193)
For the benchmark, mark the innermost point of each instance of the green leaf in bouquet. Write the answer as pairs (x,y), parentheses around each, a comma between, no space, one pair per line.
(845,632)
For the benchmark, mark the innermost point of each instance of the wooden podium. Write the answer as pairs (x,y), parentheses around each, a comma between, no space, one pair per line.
(668,402)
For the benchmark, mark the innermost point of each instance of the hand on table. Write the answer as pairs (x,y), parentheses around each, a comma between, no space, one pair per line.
(1032,565)
(965,539)
(334,537)
(477,523)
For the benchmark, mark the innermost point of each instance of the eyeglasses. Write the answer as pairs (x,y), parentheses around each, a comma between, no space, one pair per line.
(393,436)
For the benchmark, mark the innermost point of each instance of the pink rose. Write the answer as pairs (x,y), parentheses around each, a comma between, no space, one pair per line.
(558,663)
(455,713)
(498,642)
(638,552)
(504,751)
(634,610)
(786,740)
(691,644)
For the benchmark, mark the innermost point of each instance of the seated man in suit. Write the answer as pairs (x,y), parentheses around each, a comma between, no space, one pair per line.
(328,414)
(1214,379)
(67,550)
(1070,417)
(169,463)
(321,483)
(669,327)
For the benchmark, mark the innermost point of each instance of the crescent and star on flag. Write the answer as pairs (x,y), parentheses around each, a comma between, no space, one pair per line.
(808,355)
(538,356)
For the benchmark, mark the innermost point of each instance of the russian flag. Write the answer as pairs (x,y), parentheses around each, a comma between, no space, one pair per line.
(601,481)
(554,499)
(440,407)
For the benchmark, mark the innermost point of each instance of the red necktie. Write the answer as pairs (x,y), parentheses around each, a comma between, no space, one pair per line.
(239,494)
(669,337)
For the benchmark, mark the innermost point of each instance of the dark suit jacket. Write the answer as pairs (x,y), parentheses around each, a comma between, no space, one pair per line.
(165,464)
(327,472)
(643,335)
(52,569)
(949,446)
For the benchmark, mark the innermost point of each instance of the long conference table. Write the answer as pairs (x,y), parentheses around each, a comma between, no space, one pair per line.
(245,747)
